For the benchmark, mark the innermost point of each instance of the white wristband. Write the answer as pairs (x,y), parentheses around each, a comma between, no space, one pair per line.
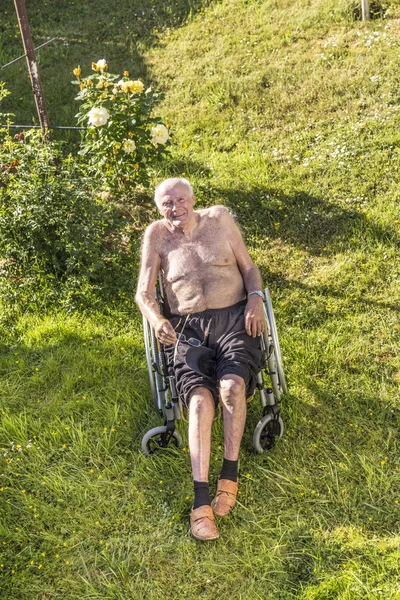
(258,292)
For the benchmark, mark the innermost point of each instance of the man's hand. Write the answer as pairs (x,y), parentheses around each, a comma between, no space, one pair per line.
(254,316)
(165,333)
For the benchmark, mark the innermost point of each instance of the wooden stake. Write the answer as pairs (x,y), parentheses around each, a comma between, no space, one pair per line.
(32,64)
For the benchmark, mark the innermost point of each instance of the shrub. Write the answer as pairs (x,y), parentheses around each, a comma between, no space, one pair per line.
(122,140)
(58,240)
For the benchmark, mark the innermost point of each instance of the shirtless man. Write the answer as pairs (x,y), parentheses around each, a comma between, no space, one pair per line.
(212,340)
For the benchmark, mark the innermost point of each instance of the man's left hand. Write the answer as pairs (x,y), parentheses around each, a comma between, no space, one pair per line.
(254,316)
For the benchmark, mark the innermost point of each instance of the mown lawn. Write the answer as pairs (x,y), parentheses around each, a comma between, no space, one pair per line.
(288,113)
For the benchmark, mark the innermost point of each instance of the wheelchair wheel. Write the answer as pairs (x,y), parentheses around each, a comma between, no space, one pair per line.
(149,359)
(157,439)
(266,432)
(275,341)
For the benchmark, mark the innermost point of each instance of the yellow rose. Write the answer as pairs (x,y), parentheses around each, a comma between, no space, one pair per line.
(124,85)
(100,85)
(126,73)
(101,65)
(77,71)
(136,87)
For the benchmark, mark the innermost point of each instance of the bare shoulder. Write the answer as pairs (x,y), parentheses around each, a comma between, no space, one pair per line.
(154,233)
(218,213)
(155,228)
(221,218)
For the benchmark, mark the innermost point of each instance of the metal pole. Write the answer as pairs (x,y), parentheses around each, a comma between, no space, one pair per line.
(365,10)
(32,64)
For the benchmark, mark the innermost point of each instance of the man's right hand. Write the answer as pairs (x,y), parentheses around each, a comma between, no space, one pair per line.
(164,331)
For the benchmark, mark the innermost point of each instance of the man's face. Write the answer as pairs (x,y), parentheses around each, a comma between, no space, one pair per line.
(176,205)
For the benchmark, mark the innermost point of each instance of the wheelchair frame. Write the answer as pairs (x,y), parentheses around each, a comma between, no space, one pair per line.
(167,402)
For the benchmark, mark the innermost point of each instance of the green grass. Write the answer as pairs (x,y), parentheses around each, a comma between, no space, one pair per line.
(288,113)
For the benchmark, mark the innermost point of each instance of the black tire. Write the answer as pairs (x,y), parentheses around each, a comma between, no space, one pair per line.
(153,440)
(265,434)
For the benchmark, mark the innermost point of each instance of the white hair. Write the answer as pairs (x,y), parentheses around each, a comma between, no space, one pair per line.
(171,182)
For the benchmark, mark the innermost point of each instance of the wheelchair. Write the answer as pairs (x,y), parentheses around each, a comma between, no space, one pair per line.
(169,406)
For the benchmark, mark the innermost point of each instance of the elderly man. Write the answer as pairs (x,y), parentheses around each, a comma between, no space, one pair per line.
(212,340)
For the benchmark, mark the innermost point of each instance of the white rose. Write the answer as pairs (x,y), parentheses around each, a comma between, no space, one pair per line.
(101,64)
(159,134)
(98,116)
(129,146)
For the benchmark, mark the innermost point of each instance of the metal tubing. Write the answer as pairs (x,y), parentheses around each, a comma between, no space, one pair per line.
(177,411)
(23,56)
(365,10)
(169,412)
(263,398)
(39,127)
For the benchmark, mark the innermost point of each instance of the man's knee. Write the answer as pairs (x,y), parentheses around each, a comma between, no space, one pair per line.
(201,400)
(232,389)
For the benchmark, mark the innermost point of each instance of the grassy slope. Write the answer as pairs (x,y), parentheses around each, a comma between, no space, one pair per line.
(288,113)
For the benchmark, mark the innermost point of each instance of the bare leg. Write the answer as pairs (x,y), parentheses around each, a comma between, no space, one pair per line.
(233,397)
(201,414)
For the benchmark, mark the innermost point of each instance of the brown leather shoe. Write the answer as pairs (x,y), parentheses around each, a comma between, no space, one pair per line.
(202,524)
(225,498)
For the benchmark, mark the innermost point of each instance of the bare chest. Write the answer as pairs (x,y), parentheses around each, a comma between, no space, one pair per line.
(194,258)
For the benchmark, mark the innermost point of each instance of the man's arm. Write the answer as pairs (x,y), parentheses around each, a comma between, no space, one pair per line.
(254,314)
(148,305)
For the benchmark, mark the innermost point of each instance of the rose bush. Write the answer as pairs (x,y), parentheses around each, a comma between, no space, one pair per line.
(122,139)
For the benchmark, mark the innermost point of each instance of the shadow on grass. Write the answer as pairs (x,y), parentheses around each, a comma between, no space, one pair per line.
(307,222)
(328,291)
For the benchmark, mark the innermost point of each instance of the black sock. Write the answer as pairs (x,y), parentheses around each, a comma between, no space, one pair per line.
(201,494)
(229,470)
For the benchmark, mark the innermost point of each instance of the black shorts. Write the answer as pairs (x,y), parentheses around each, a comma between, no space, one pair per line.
(231,351)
